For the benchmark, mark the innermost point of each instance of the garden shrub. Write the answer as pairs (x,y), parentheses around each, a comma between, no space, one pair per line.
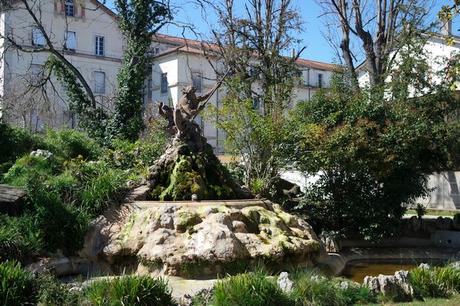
(435,282)
(129,290)
(14,142)
(138,155)
(52,292)
(370,159)
(314,289)
(60,226)
(98,185)
(66,190)
(27,166)
(17,286)
(249,289)
(70,144)
(19,237)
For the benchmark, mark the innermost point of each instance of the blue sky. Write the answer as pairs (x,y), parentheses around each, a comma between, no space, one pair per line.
(317,47)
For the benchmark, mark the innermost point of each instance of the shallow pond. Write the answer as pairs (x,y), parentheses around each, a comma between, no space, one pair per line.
(357,271)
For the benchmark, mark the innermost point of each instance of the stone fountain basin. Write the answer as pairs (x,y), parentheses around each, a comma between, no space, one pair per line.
(199,238)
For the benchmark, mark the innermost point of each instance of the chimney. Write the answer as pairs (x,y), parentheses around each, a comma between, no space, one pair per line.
(446,28)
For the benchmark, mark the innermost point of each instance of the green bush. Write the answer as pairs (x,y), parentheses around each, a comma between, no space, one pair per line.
(52,292)
(370,158)
(140,154)
(91,186)
(60,226)
(14,142)
(129,290)
(70,144)
(314,289)
(435,282)
(27,166)
(19,237)
(17,286)
(251,289)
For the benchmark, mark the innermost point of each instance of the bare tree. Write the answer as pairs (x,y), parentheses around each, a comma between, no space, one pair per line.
(258,46)
(256,41)
(34,10)
(36,92)
(380,27)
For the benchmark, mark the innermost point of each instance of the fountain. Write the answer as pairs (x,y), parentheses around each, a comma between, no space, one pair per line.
(191,218)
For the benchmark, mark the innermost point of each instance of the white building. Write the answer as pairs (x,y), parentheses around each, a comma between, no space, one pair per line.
(86,32)
(181,62)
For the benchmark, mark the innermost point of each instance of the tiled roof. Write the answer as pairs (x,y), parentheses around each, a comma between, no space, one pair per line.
(195,46)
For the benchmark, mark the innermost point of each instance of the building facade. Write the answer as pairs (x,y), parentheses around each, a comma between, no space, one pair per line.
(181,62)
(86,32)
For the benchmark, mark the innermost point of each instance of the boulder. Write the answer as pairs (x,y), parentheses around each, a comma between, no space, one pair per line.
(41,153)
(397,286)
(174,238)
(284,282)
(11,199)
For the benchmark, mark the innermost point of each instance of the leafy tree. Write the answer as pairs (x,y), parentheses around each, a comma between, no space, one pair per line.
(139,20)
(253,44)
(448,11)
(257,138)
(372,155)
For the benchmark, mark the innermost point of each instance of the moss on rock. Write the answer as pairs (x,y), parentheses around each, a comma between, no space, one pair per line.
(182,172)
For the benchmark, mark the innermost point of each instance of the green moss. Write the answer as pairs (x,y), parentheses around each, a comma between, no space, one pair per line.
(187,220)
(194,173)
(184,181)
(126,230)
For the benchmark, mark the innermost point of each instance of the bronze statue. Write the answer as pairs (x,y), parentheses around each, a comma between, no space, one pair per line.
(180,119)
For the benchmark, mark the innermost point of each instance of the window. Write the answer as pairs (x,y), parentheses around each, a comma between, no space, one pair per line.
(100,46)
(99,82)
(197,81)
(70,40)
(37,37)
(320,80)
(69,8)
(164,83)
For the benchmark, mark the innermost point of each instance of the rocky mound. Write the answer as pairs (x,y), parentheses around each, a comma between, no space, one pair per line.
(191,238)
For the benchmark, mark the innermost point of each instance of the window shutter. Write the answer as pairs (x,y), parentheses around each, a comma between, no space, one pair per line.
(82,11)
(62,6)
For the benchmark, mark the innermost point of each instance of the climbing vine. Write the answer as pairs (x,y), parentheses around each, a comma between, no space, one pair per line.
(139,21)
(90,117)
